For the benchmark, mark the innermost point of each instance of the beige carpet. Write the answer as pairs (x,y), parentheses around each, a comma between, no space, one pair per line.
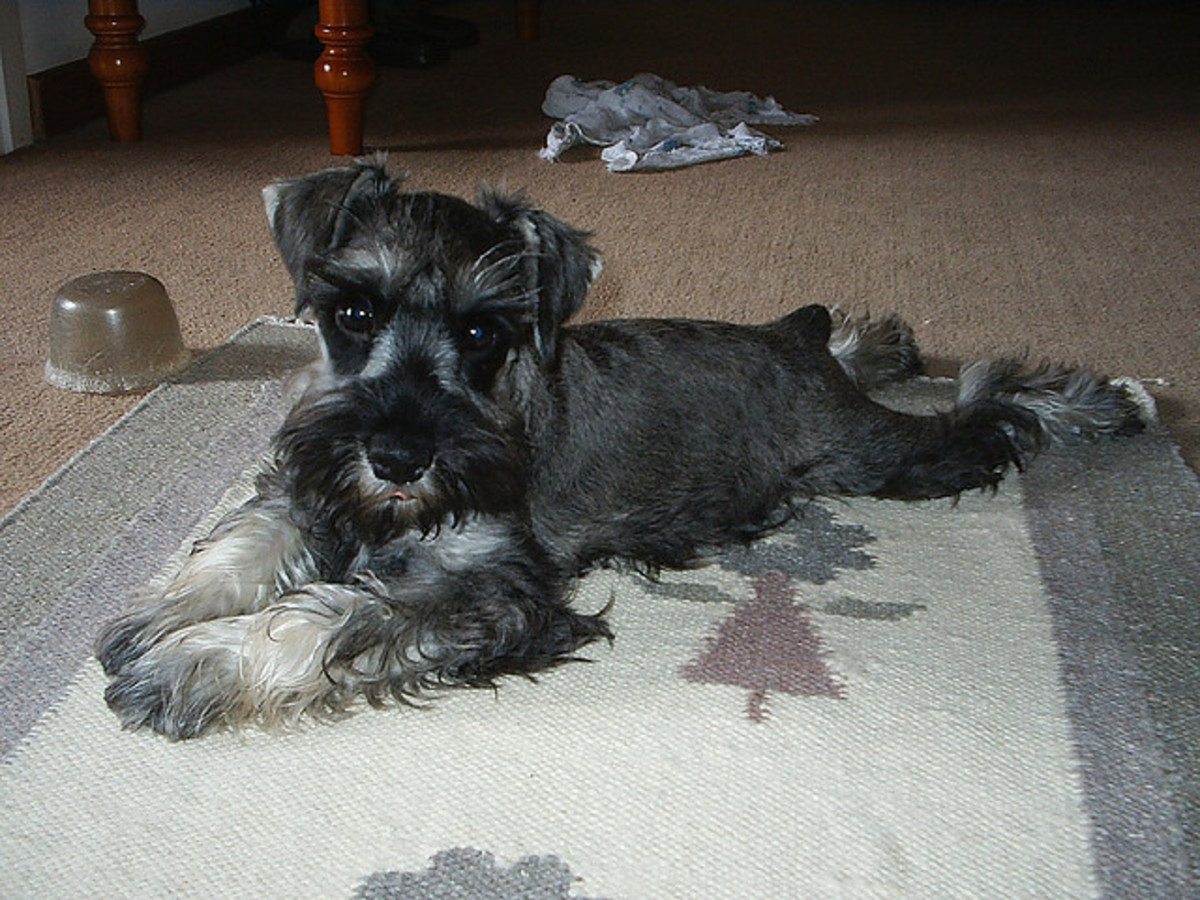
(1003,176)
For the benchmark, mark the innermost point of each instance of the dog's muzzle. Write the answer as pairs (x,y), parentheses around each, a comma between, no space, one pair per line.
(399,462)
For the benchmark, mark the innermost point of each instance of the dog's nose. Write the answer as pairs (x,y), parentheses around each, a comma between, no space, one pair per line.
(399,465)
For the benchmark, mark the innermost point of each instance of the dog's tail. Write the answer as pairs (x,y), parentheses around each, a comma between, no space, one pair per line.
(874,352)
(871,352)
(1005,413)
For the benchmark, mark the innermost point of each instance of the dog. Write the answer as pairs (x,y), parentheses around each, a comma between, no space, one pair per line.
(459,454)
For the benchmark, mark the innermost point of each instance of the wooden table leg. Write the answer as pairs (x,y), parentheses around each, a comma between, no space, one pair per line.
(343,72)
(118,62)
(529,14)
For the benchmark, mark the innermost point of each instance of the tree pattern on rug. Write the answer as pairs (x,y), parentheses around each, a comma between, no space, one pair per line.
(770,643)
(464,873)
(813,547)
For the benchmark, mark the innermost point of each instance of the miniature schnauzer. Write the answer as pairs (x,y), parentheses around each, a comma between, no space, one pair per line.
(459,454)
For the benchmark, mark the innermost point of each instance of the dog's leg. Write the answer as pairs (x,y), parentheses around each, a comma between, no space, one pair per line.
(318,649)
(1067,403)
(874,352)
(1004,414)
(254,554)
(263,665)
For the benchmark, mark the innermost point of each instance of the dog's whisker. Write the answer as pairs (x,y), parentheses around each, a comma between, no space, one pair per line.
(506,255)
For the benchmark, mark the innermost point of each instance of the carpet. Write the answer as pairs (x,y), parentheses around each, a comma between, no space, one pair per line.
(988,698)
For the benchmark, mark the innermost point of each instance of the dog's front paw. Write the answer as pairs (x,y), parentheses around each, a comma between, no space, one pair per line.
(176,690)
(141,702)
(125,641)
(266,669)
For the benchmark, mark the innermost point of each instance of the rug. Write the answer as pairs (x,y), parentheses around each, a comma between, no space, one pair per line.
(988,698)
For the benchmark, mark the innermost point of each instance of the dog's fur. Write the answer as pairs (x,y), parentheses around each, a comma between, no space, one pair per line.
(459,455)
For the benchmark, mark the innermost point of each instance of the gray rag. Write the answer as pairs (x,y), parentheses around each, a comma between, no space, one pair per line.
(648,122)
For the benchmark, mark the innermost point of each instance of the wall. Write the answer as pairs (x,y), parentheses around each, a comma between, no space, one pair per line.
(36,35)
(52,31)
(15,126)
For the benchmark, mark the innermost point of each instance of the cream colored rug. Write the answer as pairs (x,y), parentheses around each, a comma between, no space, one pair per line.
(994,698)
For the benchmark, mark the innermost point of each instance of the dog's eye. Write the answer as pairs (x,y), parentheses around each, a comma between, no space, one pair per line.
(478,336)
(356,318)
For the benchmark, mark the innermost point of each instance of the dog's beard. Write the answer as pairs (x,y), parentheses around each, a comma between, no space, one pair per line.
(477,467)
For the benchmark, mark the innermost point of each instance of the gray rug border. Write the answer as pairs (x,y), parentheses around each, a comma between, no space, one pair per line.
(1131,673)
(1116,530)
(68,566)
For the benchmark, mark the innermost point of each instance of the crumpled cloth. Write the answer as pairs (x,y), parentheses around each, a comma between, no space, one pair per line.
(649,122)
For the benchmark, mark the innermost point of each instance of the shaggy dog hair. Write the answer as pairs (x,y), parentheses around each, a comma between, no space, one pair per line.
(460,454)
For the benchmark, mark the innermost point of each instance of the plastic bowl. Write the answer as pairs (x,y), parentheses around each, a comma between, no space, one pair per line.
(112,333)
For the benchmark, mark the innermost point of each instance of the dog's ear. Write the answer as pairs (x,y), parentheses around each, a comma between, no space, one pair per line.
(559,263)
(314,214)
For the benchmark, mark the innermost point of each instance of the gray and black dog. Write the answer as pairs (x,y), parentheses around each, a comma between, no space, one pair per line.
(459,455)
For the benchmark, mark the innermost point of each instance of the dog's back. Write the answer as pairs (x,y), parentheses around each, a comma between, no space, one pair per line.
(660,439)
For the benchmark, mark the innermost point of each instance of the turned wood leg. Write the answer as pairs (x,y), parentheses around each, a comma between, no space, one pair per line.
(118,62)
(344,73)
(529,13)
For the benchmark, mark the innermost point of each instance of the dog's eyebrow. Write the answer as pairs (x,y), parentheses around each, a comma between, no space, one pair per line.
(494,285)
(342,278)
(504,254)
(328,283)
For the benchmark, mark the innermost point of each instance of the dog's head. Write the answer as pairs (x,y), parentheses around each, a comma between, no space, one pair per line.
(422,302)
(362,252)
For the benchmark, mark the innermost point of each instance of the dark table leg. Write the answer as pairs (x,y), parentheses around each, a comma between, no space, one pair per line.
(118,62)
(344,73)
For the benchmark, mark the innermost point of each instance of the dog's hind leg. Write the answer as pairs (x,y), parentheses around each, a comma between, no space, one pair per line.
(1004,414)
(1067,403)
(318,649)
(254,554)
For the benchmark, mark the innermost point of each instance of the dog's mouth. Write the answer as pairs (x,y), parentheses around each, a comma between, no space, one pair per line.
(407,495)
(384,487)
